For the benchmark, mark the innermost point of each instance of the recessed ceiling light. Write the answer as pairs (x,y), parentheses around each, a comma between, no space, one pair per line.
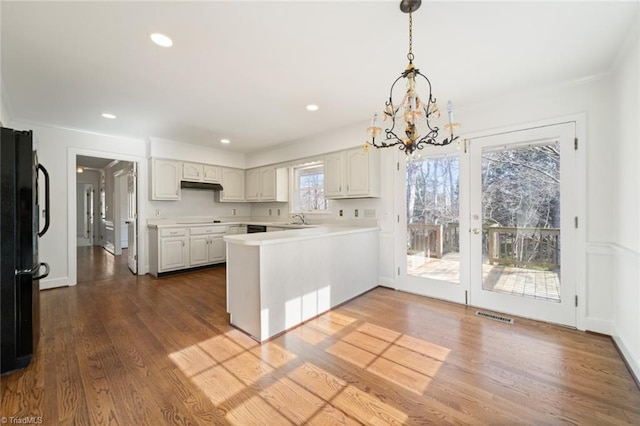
(225,141)
(161,40)
(312,107)
(107,115)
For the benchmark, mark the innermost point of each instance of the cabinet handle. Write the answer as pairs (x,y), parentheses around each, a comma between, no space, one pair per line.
(347,188)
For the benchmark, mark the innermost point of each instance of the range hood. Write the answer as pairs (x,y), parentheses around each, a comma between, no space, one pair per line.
(201,185)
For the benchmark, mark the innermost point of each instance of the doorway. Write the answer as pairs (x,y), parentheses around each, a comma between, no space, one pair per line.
(115,218)
(491,224)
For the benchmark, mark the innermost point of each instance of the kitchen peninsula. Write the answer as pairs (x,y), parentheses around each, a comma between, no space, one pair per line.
(277,280)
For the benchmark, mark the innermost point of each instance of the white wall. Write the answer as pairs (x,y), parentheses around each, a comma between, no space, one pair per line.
(6,115)
(195,203)
(57,149)
(162,148)
(625,244)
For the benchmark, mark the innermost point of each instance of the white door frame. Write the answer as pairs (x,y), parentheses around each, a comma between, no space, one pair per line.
(562,312)
(581,206)
(438,289)
(72,255)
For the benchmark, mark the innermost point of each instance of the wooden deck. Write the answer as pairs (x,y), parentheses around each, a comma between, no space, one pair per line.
(524,282)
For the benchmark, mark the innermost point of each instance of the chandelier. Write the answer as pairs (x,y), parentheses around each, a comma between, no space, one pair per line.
(415,112)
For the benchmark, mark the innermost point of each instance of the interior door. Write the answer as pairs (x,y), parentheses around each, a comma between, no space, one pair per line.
(434,246)
(132,220)
(522,237)
(88,196)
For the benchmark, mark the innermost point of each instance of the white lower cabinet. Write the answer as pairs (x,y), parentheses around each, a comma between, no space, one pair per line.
(198,250)
(172,249)
(205,249)
(173,252)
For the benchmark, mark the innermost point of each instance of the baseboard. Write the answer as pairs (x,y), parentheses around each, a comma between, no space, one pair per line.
(598,326)
(627,357)
(387,282)
(54,283)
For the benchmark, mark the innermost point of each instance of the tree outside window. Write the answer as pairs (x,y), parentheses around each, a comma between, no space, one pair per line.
(309,188)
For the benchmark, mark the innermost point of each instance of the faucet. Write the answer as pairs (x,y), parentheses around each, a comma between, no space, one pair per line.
(301,216)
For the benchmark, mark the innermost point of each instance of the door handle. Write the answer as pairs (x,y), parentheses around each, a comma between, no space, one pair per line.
(476,231)
(34,271)
(46,200)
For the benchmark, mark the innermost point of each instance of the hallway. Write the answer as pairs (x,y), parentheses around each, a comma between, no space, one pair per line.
(95,264)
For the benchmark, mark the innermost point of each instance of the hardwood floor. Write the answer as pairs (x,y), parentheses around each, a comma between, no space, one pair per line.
(128,350)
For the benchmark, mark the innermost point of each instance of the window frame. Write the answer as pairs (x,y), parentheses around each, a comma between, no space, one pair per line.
(294,188)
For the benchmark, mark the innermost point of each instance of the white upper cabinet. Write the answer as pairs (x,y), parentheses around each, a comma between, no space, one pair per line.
(252,185)
(232,181)
(212,174)
(354,173)
(192,172)
(165,179)
(195,172)
(267,184)
(333,164)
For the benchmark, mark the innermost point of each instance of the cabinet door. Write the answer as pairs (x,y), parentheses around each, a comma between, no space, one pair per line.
(173,253)
(192,172)
(217,250)
(212,174)
(252,192)
(333,175)
(232,185)
(165,180)
(198,250)
(268,184)
(357,181)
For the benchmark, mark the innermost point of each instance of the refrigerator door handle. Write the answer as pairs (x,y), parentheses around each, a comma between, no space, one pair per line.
(35,270)
(46,271)
(46,201)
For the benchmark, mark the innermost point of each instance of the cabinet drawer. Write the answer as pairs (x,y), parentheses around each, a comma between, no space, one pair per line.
(173,232)
(206,230)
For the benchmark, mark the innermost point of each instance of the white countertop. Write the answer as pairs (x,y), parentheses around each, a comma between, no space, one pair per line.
(291,235)
(209,223)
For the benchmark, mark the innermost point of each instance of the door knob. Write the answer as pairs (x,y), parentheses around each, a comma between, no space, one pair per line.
(476,231)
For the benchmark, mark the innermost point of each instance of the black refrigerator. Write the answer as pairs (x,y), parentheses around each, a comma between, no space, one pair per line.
(20,267)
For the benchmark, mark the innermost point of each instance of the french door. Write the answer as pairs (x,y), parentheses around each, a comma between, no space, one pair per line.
(491,224)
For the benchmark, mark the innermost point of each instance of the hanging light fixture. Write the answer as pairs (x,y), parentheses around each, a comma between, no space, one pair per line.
(415,112)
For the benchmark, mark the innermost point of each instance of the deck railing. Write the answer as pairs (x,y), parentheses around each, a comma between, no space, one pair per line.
(525,247)
(433,240)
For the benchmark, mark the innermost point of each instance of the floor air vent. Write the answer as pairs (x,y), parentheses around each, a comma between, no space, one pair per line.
(494,317)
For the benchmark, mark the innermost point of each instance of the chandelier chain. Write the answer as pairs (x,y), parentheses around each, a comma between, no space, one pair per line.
(410,54)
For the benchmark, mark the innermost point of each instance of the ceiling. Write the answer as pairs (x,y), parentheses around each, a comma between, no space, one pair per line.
(92,162)
(245,70)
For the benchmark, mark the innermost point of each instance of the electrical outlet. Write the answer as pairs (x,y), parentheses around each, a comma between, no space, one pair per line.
(270,212)
(233,212)
(278,212)
(341,213)
(157,212)
(355,213)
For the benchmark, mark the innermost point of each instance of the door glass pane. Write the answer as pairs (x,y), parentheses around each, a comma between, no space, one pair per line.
(521,221)
(433,243)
